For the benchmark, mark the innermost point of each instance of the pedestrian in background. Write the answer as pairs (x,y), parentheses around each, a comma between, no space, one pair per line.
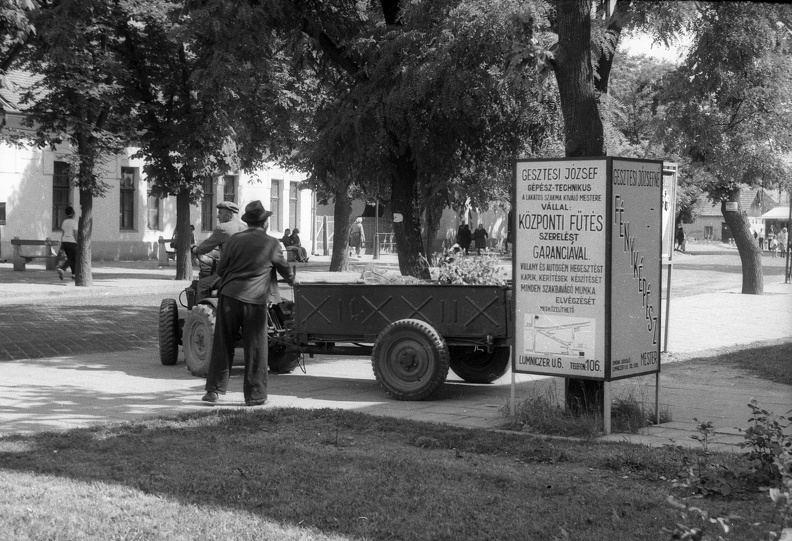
(286,238)
(680,238)
(246,273)
(480,238)
(68,243)
(464,237)
(783,239)
(296,245)
(357,237)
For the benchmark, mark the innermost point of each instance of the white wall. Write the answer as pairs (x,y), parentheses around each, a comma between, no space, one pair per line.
(26,188)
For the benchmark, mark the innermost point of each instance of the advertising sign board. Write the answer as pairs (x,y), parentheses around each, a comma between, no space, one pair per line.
(587,267)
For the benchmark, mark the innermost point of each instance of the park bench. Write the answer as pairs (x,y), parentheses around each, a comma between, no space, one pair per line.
(21,259)
(164,254)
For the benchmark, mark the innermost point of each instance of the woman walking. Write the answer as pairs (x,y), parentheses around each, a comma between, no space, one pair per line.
(357,238)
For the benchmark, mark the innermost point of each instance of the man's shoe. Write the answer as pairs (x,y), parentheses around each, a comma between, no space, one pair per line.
(60,273)
(255,402)
(211,396)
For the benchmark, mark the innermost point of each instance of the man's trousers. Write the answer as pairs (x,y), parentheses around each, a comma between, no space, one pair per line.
(232,315)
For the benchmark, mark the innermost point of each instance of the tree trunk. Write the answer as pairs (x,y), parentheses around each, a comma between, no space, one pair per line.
(583,134)
(184,270)
(583,130)
(407,219)
(750,256)
(433,213)
(84,275)
(343,210)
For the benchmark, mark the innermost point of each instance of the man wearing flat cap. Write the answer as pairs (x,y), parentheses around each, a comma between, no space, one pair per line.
(227,225)
(246,271)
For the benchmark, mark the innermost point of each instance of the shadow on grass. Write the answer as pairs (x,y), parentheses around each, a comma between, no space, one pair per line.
(770,362)
(342,473)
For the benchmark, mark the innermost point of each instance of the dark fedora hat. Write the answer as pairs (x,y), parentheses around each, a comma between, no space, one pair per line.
(255,212)
(228,205)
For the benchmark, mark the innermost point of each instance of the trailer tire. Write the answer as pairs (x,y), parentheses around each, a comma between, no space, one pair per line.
(410,359)
(478,366)
(198,337)
(168,332)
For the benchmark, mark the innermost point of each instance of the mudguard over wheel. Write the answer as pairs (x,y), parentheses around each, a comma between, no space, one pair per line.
(476,365)
(197,338)
(410,359)
(168,332)
(283,355)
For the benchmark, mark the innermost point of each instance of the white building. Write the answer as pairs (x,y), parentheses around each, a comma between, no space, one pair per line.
(127,223)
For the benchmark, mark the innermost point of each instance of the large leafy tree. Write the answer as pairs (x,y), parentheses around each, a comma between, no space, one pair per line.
(421,85)
(77,100)
(729,111)
(198,114)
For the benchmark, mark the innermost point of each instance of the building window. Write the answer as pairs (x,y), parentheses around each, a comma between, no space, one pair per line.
(153,209)
(230,188)
(61,193)
(275,220)
(2,214)
(294,205)
(207,205)
(128,183)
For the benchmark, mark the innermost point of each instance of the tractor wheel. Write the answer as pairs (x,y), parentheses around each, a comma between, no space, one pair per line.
(478,366)
(168,332)
(410,359)
(197,338)
(283,355)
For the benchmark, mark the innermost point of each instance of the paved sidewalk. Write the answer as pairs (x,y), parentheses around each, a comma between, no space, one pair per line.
(81,390)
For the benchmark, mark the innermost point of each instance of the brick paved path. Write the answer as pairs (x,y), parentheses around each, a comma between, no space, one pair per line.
(29,332)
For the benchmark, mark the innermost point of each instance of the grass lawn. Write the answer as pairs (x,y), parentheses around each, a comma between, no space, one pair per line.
(772,362)
(291,474)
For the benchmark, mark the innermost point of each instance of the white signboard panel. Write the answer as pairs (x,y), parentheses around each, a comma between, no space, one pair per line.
(559,267)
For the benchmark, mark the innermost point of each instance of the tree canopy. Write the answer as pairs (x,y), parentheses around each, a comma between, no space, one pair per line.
(729,110)
(425,103)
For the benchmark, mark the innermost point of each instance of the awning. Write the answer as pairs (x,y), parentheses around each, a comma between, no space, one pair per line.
(778,213)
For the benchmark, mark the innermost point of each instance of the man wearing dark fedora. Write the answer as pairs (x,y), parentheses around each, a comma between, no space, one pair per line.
(227,225)
(246,270)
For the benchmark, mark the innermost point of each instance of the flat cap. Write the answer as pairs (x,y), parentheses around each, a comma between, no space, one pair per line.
(229,205)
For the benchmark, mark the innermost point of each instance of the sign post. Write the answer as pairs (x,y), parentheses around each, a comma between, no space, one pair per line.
(587,268)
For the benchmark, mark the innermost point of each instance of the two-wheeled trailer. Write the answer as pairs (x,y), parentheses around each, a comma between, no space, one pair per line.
(414,333)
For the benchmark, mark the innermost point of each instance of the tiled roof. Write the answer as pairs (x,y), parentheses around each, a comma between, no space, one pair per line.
(759,199)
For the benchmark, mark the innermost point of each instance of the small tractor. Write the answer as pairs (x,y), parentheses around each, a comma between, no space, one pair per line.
(195,332)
